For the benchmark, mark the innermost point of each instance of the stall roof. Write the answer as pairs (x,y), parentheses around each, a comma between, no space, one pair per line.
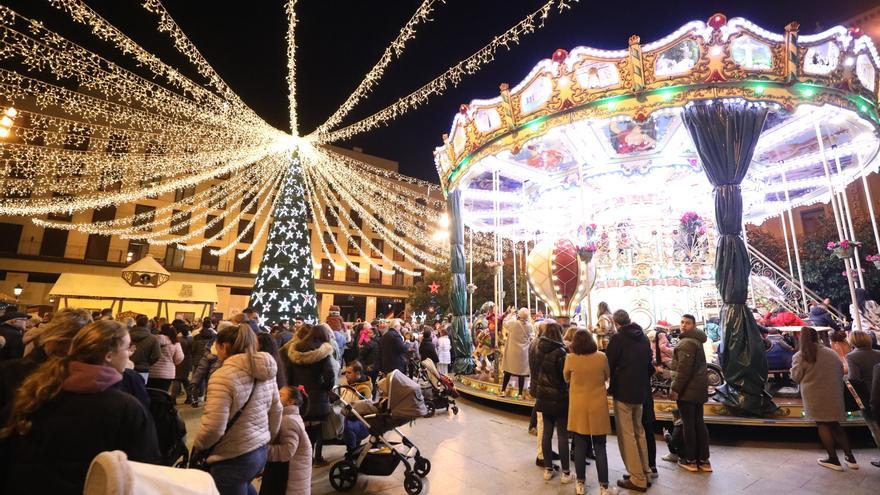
(107,287)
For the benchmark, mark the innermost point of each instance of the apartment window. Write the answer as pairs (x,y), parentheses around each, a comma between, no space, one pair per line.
(351,274)
(375,275)
(148,216)
(61,217)
(108,180)
(354,243)
(356,219)
(213,229)
(328,240)
(812,219)
(417,279)
(54,242)
(331,218)
(377,248)
(249,237)
(98,247)
(136,250)
(10,237)
(219,201)
(186,192)
(397,255)
(104,214)
(241,265)
(399,233)
(181,224)
(327,270)
(246,200)
(174,256)
(397,277)
(209,261)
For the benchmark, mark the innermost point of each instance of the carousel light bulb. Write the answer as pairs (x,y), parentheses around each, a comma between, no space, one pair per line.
(6,121)
(849,61)
(443,221)
(11,112)
(715,50)
(759,90)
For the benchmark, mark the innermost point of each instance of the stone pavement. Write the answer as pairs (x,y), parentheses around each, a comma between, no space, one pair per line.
(485,450)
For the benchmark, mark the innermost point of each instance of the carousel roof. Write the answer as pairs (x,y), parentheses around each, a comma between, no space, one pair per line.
(590,131)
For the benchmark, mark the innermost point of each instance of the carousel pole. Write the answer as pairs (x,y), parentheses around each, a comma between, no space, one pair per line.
(495,240)
(849,222)
(528,285)
(787,247)
(846,262)
(871,211)
(797,254)
(471,280)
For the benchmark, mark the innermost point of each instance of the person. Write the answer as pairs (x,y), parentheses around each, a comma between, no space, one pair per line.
(426,347)
(183,369)
(630,364)
(586,371)
(334,319)
(819,373)
(551,398)
(868,310)
(266,343)
(368,352)
(444,352)
(820,317)
(661,349)
(568,337)
(875,401)
(311,364)
(536,422)
(674,438)
(604,326)
(860,363)
(841,347)
(208,364)
(392,351)
(67,412)
(252,318)
(147,350)
(516,350)
(289,459)
(355,431)
(201,345)
(244,387)
(690,390)
(12,330)
(283,335)
(163,371)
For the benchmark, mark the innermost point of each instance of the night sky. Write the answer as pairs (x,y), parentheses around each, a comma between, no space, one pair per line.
(340,40)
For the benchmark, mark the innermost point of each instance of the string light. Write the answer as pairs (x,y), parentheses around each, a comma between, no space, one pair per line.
(291,64)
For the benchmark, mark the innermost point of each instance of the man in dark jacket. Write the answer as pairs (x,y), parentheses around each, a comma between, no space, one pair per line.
(629,359)
(147,349)
(690,390)
(12,331)
(392,350)
(820,317)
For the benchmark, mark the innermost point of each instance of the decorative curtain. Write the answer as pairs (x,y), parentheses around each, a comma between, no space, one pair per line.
(725,134)
(460,337)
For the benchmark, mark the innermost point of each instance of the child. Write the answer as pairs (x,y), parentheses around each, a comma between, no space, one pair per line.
(288,468)
(444,352)
(675,439)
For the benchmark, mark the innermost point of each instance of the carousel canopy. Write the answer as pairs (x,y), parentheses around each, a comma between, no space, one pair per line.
(594,135)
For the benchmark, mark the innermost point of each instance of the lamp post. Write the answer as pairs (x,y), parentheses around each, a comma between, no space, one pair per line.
(17,291)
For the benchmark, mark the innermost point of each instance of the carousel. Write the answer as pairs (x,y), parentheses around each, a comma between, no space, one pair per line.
(628,176)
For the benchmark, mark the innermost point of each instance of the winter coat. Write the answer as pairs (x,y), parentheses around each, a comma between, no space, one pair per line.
(870,317)
(860,365)
(206,367)
(14,347)
(603,330)
(586,375)
(691,379)
(369,355)
(283,337)
(629,359)
(551,394)
(785,319)
(875,392)
(335,322)
(147,349)
(13,373)
(444,350)
(201,345)
(533,372)
(428,351)
(292,446)
(516,348)
(87,417)
(660,341)
(170,356)
(228,392)
(315,370)
(133,384)
(820,317)
(392,352)
(821,384)
(363,386)
(842,349)
(183,368)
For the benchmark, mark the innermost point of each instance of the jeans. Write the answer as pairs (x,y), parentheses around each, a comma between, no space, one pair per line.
(234,476)
(631,440)
(648,425)
(353,434)
(696,436)
(581,446)
(561,424)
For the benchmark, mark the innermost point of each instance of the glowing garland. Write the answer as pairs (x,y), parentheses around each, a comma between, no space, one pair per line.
(291,64)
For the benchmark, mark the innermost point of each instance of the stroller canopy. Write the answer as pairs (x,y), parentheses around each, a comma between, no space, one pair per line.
(404,396)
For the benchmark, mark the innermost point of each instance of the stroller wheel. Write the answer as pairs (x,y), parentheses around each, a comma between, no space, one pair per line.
(454,409)
(412,484)
(343,476)
(422,466)
(431,409)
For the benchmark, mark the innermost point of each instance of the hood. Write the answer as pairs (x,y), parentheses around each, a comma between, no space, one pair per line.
(206,333)
(633,331)
(695,334)
(84,378)
(138,333)
(546,345)
(309,357)
(818,311)
(264,367)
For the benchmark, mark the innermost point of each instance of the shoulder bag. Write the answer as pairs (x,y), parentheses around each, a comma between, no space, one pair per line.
(198,459)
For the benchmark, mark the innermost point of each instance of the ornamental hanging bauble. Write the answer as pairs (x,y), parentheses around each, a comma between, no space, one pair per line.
(560,277)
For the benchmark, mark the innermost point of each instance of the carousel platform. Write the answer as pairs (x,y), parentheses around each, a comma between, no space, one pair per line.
(790,413)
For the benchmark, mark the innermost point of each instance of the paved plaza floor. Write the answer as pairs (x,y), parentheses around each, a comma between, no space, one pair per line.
(486,450)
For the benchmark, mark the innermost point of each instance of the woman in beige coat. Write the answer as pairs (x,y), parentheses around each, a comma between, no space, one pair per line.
(586,371)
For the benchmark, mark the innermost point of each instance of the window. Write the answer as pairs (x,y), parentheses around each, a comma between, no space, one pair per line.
(136,250)
(354,243)
(209,261)
(242,265)
(375,275)
(417,279)
(186,192)
(61,217)
(329,215)
(356,219)
(54,242)
(104,214)
(10,236)
(181,225)
(352,274)
(378,246)
(249,237)
(812,220)
(174,256)
(213,229)
(327,270)
(245,201)
(398,255)
(399,233)
(397,277)
(219,201)
(98,247)
(148,216)
(328,240)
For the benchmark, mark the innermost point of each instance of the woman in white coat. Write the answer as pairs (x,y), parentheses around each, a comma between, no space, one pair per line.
(516,349)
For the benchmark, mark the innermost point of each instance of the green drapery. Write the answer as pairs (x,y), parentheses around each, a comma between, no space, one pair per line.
(461,338)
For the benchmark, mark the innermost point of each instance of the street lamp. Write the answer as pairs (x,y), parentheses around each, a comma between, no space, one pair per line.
(17,291)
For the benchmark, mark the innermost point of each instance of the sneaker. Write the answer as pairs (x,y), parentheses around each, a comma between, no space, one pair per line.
(833,464)
(566,478)
(705,466)
(628,485)
(670,457)
(533,432)
(653,475)
(851,462)
(605,490)
(548,474)
(540,463)
(580,488)
(688,465)
(876,463)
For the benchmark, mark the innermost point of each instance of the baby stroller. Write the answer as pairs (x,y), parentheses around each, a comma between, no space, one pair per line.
(170,428)
(400,402)
(438,389)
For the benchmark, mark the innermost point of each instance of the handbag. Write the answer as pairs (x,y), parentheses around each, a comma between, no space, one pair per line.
(334,424)
(198,459)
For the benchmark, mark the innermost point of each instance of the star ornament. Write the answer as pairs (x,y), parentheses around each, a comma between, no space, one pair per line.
(435,287)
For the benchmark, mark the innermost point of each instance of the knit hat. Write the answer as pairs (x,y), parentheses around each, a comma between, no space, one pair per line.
(334,310)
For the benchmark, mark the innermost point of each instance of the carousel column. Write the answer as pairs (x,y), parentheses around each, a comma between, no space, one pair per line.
(461,338)
(849,223)
(871,211)
(794,241)
(725,134)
